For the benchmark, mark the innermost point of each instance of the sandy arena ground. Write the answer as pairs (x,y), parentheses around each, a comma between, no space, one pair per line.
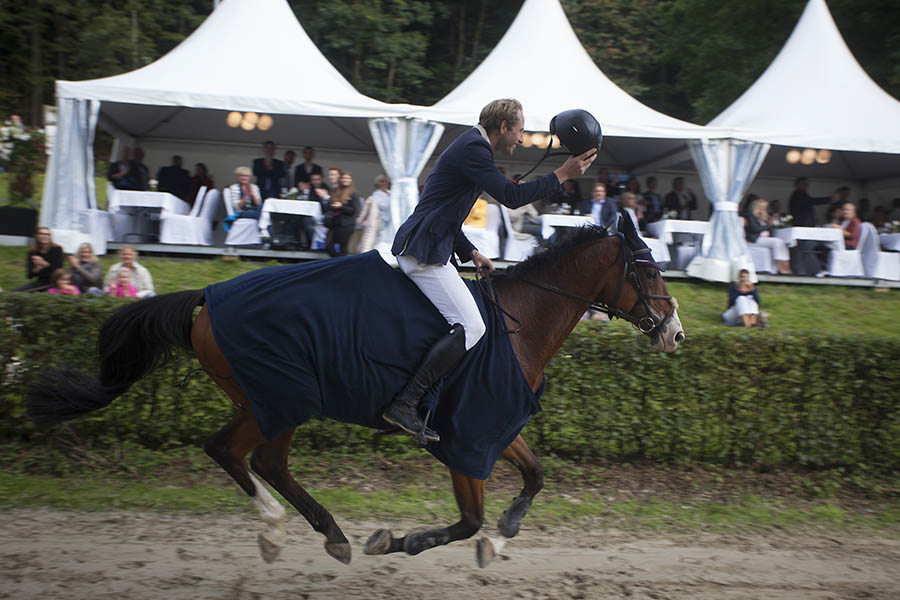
(71,555)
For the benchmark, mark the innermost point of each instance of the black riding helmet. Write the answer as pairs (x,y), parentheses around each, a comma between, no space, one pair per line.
(577,130)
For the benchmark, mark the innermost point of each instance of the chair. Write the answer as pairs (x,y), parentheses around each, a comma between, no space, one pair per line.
(487,238)
(681,255)
(659,250)
(762,259)
(243,232)
(846,263)
(195,228)
(519,246)
(877,264)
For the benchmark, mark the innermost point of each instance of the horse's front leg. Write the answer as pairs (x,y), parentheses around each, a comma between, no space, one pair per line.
(470,499)
(521,456)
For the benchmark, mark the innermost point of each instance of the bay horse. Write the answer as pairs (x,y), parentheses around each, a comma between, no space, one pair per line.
(544,296)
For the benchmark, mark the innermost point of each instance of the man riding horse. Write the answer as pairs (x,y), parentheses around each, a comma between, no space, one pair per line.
(426,241)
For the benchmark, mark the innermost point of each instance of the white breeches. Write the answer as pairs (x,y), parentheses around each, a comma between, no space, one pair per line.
(443,286)
(776,245)
(743,305)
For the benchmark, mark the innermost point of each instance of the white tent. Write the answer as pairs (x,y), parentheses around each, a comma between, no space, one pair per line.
(246,56)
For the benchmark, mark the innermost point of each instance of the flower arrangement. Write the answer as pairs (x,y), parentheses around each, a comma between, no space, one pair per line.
(670,214)
(786,221)
(22,154)
(894,227)
(291,194)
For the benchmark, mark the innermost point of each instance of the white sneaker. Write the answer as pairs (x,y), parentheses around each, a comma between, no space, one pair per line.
(822,274)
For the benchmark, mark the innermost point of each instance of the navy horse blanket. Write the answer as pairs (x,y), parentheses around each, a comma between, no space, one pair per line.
(340,338)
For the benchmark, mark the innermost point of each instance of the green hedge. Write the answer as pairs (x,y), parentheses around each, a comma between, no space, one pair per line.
(728,397)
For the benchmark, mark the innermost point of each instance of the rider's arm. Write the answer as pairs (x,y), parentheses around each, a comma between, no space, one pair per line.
(478,166)
(463,247)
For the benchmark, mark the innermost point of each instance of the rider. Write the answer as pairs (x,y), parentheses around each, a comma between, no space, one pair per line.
(432,233)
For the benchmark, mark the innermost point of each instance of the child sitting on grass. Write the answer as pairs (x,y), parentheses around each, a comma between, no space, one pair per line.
(61,283)
(122,287)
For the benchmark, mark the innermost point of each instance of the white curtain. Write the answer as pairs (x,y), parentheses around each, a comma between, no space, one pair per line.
(726,168)
(69,197)
(403,146)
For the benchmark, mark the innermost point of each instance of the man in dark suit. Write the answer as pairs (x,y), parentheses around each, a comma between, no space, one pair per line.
(140,170)
(175,180)
(305,169)
(807,257)
(681,199)
(433,232)
(121,172)
(604,211)
(268,171)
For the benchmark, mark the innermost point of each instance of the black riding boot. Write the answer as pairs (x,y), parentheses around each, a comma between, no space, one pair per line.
(443,356)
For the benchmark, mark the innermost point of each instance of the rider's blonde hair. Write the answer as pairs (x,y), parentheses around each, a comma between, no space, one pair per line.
(493,115)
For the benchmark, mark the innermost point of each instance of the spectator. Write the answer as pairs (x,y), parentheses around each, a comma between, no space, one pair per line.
(140,170)
(879,219)
(369,221)
(61,283)
(269,172)
(851,225)
(121,172)
(775,213)
(382,195)
(681,199)
(200,178)
(340,212)
(44,258)
(894,213)
(86,271)
(863,212)
(122,286)
(334,178)
(653,205)
(834,215)
(759,233)
(744,207)
(566,200)
(743,302)
(175,180)
(525,221)
(801,205)
(305,169)
(603,210)
(244,196)
(632,208)
(287,179)
(139,275)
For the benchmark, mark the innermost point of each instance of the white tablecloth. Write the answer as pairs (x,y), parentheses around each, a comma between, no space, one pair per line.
(126,199)
(289,207)
(664,229)
(833,235)
(890,241)
(549,221)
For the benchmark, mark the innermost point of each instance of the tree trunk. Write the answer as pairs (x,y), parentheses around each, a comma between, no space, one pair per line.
(476,37)
(461,42)
(134,38)
(35,74)
(392,67)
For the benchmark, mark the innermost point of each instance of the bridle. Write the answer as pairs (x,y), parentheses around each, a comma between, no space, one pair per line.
(648,324)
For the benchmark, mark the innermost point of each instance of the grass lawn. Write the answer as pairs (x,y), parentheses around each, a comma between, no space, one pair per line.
(832,309)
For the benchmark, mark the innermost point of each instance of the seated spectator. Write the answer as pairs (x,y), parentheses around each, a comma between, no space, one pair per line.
(368,222)
(566,201)
(526,221)
(681,199)
(139,275)
(339,215)
(122,286)
(43,259)
(121,173)
(382,195)
(653,205)
(200,178)
(835,215)
(269,172)
(743,302)
(244,196)
(851,225)
(759,233)
(334,178)
(632,208)
(603,210)
(774,213)
(304,170)
(86,271)
(879,219)
(61,283)
(175,180)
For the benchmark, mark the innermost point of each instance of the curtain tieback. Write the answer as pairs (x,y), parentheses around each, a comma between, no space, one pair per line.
(725,206)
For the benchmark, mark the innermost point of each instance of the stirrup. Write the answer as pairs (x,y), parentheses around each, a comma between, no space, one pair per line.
(426,435)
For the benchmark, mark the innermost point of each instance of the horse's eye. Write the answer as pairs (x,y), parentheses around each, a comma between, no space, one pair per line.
(652,275)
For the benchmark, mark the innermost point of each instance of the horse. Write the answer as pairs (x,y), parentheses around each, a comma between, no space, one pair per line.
(540,299)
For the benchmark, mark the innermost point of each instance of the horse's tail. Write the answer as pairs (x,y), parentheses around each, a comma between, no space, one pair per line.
(133,341)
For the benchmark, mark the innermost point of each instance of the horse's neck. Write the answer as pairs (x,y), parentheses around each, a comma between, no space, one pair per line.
(548,318)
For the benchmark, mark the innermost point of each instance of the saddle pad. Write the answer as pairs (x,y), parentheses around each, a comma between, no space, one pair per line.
(341,338)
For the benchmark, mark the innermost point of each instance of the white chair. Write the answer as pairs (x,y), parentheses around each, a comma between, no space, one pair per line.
(877,264)
(762,259)
(846,263)
(659,250)
(519,246)
(243,232)
(486,239)
(681,255)
(193,229)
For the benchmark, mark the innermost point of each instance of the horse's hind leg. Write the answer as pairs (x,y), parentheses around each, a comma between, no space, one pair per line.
(470,499)
(269,460)
(520,455)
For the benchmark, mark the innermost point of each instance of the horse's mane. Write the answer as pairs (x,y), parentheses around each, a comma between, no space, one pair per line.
(566,241)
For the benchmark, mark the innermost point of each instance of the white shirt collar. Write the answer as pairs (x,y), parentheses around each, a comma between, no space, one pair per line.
(483,132)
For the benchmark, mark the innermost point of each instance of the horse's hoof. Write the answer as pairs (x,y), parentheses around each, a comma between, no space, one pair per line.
(378,543)
(484,552)
(508,528)
(339,550)
(268,549)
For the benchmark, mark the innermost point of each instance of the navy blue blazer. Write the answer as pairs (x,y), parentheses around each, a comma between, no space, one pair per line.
(609,214)
(466,168)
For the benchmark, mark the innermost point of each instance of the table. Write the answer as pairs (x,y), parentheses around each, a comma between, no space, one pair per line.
(549,221)
(664,229)
(309,208)
(832,235)
(132,212)
(890,241)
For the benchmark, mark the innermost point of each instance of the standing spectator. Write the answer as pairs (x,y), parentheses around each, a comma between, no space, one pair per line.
(382,195)
(851,225)
(61,283)
(305,169)
(369,221)
(743,302)
(175,180)
(758,232)
(604,211)
(802,206)
(140,170)
(121,172)
(44,258)
(122,287)
(681,199)
(268,171)
(200,178)
(334,178)
(86,271)
(653,205)
(340,212)
(287,180)
(140,275)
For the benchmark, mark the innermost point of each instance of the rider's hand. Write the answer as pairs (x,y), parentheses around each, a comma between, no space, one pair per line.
(575,166)
(482,263)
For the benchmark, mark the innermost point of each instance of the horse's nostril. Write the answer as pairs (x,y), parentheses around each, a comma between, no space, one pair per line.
(679,337)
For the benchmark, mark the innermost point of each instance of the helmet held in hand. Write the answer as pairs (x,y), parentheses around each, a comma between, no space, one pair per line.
(577,130)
